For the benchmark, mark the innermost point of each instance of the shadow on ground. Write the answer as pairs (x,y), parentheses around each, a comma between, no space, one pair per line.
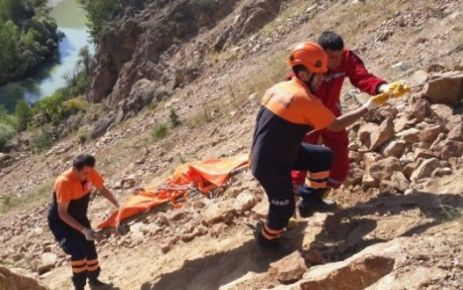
(213,271)
(344,233)
(350,230)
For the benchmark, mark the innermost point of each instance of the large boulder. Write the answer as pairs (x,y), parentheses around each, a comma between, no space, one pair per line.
(446,88)
(395,148)
(10,280)
(289,269)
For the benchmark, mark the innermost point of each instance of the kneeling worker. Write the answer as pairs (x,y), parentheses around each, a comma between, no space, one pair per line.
(288,112)
(67,219)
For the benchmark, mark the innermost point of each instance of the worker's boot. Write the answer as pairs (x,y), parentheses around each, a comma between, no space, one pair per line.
(263,242)
(99,285)
(79,280)
(313,201)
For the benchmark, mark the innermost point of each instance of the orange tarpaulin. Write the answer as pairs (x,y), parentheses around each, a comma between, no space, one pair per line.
(205,176)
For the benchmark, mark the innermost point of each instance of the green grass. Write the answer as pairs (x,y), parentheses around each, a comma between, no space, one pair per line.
(160,132)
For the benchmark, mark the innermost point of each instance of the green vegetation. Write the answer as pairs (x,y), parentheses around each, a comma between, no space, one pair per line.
(160,132)
(28,37)
(43,117)
(174,119)
(37,196)
(100,12)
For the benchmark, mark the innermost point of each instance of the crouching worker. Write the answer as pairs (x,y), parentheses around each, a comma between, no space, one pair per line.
(67,219)
(288,112)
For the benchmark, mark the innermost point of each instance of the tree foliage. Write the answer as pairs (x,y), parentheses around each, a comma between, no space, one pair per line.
(28,36)
(99,13)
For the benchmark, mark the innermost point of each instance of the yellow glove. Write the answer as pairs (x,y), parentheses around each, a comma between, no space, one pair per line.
(388,91)
(395,89)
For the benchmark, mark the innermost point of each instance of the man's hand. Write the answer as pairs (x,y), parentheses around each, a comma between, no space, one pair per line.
(388,91)
(89,234)
(395,89)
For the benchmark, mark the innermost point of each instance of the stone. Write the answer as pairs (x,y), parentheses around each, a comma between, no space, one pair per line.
(129,181)
(422,153)
(446,88)
(289,269)
(430,133)
(439,172)
(399,181)
(384,168)
(419,77)
(365,132)
(357,272)
(47,262)
(453,121)
(449,148)
(215,212)
(425,169)
(456,133)
(442,111)
(395,148)
(314,257)
(410,135)
(261,209)
(383,134)
(419,110)
(368,182)
(11,280)
(400,123)
(244,201)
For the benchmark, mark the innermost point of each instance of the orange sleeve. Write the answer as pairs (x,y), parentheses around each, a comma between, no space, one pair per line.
(97,180)
(318,114)
(63,192)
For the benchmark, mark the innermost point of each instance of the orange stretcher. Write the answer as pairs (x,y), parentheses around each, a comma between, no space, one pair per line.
(204,176)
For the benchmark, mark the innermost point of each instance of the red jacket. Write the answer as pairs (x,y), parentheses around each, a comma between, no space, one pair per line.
(353,68)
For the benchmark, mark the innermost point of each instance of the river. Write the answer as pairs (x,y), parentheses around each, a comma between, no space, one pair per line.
(71,20)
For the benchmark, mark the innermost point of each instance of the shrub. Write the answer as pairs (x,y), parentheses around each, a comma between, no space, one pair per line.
(82,134)
(6,134)
(23,113)
(43,138)
(174,119)
(160,131)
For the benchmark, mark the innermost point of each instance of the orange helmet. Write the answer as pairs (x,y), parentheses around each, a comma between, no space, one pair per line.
(311,56)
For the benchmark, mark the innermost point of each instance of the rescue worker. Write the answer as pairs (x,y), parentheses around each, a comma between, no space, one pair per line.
(67,219)
(288,111)
(342,63)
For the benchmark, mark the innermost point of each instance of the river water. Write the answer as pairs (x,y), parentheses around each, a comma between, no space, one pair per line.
(71,20)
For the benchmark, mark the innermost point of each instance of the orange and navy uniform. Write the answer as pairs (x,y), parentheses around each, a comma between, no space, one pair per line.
(69,189)
(288,112)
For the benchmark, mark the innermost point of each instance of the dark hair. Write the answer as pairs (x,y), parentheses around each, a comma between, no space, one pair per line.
(330,40)
(83,160)
(298,68)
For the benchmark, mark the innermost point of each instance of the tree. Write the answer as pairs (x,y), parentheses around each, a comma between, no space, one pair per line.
(100,12)
(23,114)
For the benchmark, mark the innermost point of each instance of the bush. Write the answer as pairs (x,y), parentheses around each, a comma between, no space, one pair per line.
(82,134)
(174,119)
(160,131)
(6,134)
(43,138)
(99,13)
(23,113)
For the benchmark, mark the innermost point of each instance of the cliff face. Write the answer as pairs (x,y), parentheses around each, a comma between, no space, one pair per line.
(164,46)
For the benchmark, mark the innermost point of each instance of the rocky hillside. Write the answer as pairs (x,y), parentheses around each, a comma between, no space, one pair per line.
(401,223)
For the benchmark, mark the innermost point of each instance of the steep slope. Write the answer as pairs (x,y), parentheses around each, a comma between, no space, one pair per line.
(181,249)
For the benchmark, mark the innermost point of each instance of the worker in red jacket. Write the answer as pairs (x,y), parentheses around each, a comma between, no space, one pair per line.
(342,63)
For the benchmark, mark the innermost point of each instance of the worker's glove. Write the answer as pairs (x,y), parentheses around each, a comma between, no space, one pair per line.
(89,234)
(376,101)
(395,89)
